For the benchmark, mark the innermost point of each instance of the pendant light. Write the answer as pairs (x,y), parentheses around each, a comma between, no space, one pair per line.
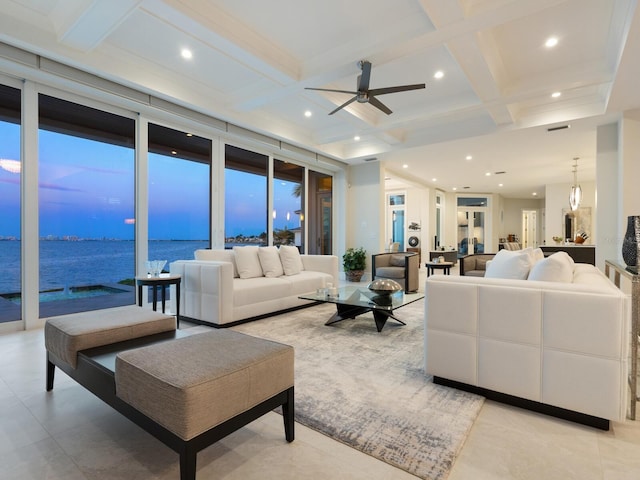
(575,197)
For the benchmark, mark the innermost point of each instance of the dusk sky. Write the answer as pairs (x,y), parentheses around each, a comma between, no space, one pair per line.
(87,190)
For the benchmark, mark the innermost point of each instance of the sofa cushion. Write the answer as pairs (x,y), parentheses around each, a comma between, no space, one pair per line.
(509,264)
(259,289)
(554,268)
(306,281)
(219,255)
(248,262)
(270,261)
(481,263)
(390,272)
(290,258)
(397,260)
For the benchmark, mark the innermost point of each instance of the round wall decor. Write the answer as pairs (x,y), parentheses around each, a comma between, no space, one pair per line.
(414,241)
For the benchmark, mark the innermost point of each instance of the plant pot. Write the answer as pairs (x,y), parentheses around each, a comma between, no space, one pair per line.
(354,275)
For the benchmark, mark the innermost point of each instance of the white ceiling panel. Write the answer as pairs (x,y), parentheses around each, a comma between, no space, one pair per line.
(253,59)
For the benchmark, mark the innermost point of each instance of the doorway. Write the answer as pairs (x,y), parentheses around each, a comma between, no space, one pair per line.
(529,228)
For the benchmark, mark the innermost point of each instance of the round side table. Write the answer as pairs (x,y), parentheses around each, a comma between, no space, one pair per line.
(162,282)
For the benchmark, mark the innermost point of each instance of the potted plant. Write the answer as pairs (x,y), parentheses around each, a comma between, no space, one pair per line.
(354,261)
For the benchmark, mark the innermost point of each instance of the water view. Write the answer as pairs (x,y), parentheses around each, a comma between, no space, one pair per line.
(67,264)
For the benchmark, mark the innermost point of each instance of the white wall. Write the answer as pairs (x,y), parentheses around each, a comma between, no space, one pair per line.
(417,209)
(512,217)
(557,198)
(365,202)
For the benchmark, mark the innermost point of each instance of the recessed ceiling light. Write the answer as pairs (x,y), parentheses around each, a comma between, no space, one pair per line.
(454,188)
(173,152)
(468,157)
(488,174)
(551,42)
(357,138)
(439,74)
(500,185)
(405,166)
(186,53)
(534,193)
(556,94)
(189,134)
(434,179)
(307,113)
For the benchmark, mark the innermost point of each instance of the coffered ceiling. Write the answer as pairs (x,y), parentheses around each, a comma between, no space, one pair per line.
(252,60)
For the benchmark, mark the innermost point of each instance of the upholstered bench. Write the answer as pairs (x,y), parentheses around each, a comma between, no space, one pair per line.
(189,391)
(65,336)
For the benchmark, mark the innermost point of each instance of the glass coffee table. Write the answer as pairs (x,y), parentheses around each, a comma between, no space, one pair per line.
(353,301)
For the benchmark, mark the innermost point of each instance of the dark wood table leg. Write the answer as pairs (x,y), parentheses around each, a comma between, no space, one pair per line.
(139,295)
(164,290)
(155,297)
(178,304)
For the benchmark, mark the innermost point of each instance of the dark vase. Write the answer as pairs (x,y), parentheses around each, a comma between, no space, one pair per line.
(630,242)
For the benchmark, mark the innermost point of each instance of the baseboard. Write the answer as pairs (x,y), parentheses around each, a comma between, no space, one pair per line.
(577,417)
(246,320)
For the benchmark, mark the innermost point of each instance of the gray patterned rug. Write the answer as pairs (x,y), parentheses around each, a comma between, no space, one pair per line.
(368,390)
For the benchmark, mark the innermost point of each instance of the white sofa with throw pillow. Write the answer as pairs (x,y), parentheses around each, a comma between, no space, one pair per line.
(225,287)
(543,333)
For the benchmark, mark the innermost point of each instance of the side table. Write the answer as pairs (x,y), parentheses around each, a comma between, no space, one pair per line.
(432,266)
(634,278)
(162,282)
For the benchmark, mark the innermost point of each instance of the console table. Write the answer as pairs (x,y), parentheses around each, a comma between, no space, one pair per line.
(449,255)
(621,270)
(579,253)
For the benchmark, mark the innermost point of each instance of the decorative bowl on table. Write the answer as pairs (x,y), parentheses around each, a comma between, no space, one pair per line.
(384,286)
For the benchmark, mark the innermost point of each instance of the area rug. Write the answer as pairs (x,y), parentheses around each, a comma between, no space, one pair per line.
(368,389)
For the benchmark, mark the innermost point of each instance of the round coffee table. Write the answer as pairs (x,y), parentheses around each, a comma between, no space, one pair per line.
(433,266)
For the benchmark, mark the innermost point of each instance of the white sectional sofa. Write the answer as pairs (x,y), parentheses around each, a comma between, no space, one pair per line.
(559,347)
(226,287)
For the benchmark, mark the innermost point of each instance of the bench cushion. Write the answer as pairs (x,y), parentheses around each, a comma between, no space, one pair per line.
(66,335)
(192,384)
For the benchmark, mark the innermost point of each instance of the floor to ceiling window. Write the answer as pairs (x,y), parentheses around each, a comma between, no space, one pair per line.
(245,197)
(86,207)
(179,194)
(320,204)
(10,168)
(288,194)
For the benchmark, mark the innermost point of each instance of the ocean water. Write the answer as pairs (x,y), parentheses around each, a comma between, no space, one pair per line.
(90,262)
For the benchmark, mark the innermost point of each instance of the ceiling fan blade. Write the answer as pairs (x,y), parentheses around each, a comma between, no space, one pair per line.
(344,105)
(331,90)
(400,88)
(378,104)
(363,79)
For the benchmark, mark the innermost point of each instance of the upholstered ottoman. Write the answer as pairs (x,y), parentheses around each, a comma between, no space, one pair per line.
(192,384)
(66,335)
(188,391)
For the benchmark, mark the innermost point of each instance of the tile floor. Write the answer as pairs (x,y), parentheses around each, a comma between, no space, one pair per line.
(69,434)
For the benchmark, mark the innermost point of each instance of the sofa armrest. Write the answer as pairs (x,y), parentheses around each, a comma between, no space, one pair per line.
(322,263)
(206,291)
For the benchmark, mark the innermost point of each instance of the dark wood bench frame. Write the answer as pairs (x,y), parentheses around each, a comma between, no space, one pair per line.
(96,372)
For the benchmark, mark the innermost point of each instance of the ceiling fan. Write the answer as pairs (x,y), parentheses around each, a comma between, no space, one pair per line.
(364,95)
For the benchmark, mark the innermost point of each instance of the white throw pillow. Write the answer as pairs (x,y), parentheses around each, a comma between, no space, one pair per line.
(291,261)
(554,268)
(270,262)
(217,255)
(248,262)
(514,264)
